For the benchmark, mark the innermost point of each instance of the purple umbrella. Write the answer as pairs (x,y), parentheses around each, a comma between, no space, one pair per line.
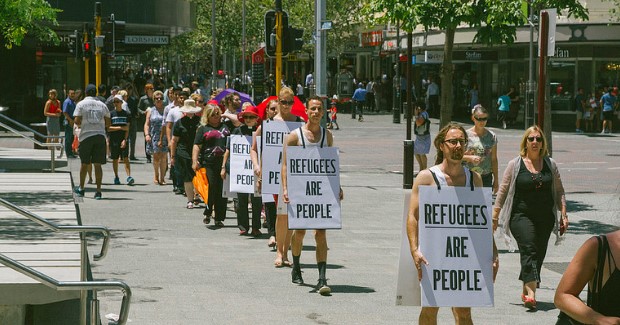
(244,97)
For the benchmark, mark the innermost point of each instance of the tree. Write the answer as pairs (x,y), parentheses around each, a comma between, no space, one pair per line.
(496,20)
(19,18)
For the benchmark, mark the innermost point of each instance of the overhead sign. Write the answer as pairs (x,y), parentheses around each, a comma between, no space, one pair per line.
(313,184)
(456,237)
(374,38)
(147,39)
(433,56)
(258,57)
(471,55)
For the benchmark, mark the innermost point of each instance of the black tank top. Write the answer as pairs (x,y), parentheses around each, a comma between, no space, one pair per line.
(607,300)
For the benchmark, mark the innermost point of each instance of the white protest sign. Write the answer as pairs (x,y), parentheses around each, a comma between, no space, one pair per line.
(407,284)
(241,169)
(456,237)
(313,183)
(274,134)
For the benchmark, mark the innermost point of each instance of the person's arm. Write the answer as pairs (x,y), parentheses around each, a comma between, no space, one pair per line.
(147,127)
(502,192)
(423,178)
(495,168)
(68,117)
(291,140)
(126,137)
(46,110)
(559,193)
(223,170)
(579,272)
(254,154)
(173,149)
(195,154)
(169,133)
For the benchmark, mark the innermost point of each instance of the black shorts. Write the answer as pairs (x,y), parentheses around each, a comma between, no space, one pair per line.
(92,150)
(183,167)
(608,115)
(502,115)
(115,149)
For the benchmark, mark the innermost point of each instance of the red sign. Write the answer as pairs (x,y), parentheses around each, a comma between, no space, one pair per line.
(374,38)
(258,57)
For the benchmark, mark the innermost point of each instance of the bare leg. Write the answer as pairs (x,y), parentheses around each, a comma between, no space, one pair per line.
(297,242)
(89,168)
(83,171)
(428,316)
(115,167)
(156,163)
(320,236)
(283,239)
(127,166)
(163,166)
(529,289)
(98,176)
(422,160)
(462,315)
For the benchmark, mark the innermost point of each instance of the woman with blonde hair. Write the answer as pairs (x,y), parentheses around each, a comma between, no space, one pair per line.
(208,152)
(156,143)
(527,204)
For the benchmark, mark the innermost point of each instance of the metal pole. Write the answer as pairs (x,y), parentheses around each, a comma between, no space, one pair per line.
(213,34)
(278,46)
(409,83)
(529,94)
(320,62)
(395,91)
(408,165)
(86,67)
(97,48)
(544,34)
(243,81)
(83,278)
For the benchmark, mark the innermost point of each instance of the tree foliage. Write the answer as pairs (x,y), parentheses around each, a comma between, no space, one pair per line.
(495,20)
(21,17)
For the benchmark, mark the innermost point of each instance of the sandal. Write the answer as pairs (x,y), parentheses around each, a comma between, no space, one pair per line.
(287,263)
(530,303)
(272,242)
(190,205)
(278,262)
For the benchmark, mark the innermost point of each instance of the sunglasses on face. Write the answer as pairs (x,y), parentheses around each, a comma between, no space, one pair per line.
(454,142)
(481,119)
(286,102)
(531,139)
(249,117)
(158,98)
(117,101)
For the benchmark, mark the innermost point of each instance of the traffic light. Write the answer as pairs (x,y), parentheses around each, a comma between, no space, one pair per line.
(293,39)
(270,32)
(86,50)
(114,32)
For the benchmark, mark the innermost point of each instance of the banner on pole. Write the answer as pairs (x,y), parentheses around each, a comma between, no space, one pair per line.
(241,168)
(313,184)
(456,237)
(274,134)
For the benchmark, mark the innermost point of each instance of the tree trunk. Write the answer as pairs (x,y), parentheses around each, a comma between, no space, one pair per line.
(447,72)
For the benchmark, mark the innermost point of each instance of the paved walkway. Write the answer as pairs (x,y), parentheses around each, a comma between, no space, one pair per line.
(182,272)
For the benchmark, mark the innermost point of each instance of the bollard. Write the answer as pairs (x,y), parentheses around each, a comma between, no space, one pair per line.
(408,165)
(396,115)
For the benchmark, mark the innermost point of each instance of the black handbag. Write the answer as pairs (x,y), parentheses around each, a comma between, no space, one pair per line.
(597,282)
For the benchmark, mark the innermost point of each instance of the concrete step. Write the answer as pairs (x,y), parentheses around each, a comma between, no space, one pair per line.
(19,159)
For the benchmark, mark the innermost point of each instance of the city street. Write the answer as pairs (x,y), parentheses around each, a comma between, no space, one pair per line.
(184,272)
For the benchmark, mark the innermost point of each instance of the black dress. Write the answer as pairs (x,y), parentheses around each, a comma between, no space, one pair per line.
(532,219)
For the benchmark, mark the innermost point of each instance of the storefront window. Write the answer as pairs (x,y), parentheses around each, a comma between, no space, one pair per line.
(607,73)
(561,84)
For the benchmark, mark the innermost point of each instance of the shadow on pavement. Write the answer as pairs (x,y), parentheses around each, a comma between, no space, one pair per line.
(592,227)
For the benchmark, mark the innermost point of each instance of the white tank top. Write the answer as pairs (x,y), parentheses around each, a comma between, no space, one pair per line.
(440,177)
(304,142)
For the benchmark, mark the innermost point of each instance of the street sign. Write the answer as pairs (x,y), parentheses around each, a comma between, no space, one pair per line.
(258,57)
(147,39)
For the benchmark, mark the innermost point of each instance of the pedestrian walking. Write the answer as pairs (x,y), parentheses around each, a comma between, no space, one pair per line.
(68,108)
(450,143)
(422,130)
(359,98)
(609,104)
(181,148)
(156,141)
(118,133)
(333,114)
(93,117)
(209,146)
(527,204)
(481,152)
(144,104)
(580,108)
(503,103)
(309,135)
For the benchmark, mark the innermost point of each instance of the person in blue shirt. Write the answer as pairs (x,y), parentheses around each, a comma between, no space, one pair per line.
(68,107)
(503,104)
(359,97)
(609,103)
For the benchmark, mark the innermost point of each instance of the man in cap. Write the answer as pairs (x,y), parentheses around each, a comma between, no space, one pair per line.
(119,138)
(93,117)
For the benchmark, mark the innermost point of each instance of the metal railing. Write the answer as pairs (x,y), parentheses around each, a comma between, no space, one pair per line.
(51,145)
(83,285)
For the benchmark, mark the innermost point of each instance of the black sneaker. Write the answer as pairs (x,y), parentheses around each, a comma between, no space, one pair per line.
(322,288)
(98,196)
(296,275)
(79,191)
